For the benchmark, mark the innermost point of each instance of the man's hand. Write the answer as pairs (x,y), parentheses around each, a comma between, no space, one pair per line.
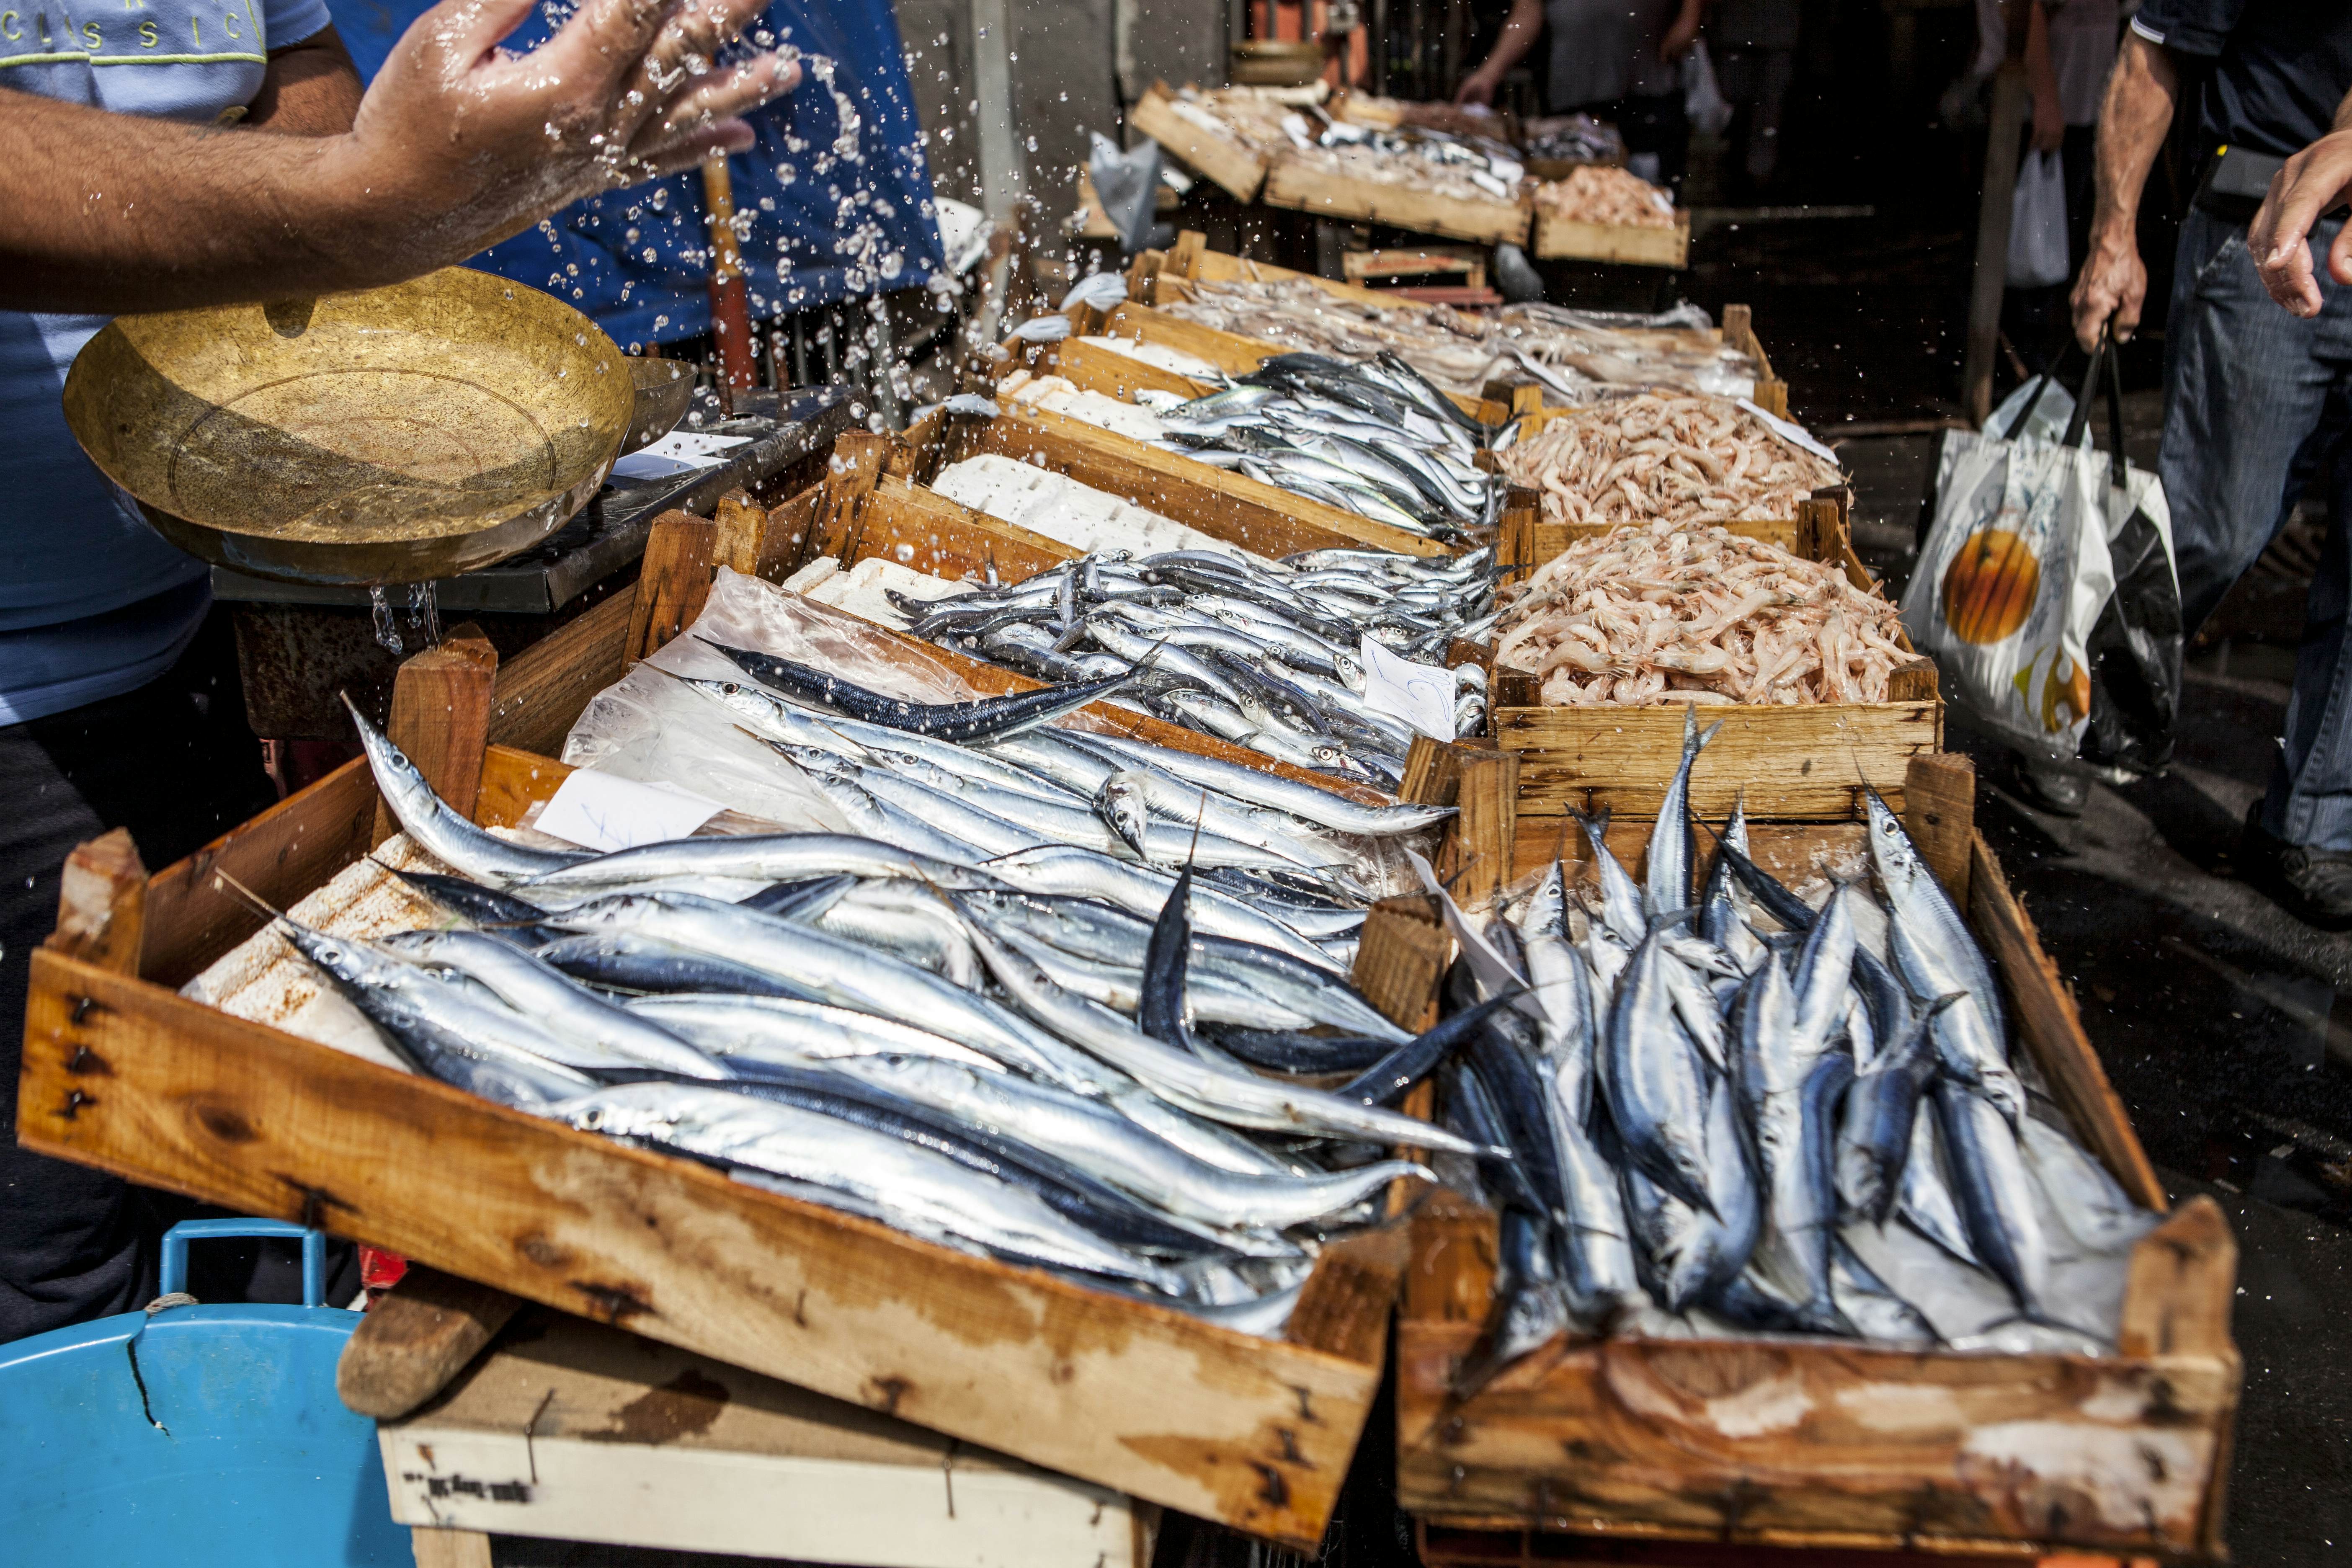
(2311,182)
(491,142)
(2114,285)
(1681,33)
(1476,88)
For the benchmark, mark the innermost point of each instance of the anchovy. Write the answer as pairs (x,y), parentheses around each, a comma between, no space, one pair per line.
(1117,1151)
(561,1004)
(440,831)
(920,1190)
(973,721)
(1241,1100)
(1874,1144)
(1672,848)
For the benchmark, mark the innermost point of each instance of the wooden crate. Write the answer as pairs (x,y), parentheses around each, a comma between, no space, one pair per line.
(1225,159)
(1233,507)
(1804,762)
(122,1072)
(1293,181)
(1633,245)
(1824,1445)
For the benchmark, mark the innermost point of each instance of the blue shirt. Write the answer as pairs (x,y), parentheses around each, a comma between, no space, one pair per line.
(92,602)
(2280,67)
(836,193)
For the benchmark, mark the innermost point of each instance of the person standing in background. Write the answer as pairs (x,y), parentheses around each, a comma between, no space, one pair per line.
(1617,60)
(1754,45)
(2256,402)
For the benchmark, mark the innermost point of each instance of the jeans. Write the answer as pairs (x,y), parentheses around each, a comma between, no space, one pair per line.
(2255,401)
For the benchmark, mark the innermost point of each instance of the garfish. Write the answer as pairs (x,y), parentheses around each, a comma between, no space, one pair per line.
(445,834)
(973,721)
(1875,1142)
(762,858)
(1674,850)
(1653,1081)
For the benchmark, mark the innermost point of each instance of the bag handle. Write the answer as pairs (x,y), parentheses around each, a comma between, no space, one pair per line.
(2017,426)
(2104,357)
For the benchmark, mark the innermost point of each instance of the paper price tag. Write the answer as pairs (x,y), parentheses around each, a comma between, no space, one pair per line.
(1420,694)
(679,452)
(1794,433)
(607,812)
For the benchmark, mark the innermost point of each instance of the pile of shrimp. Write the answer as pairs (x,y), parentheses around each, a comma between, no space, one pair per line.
(1683,458)
(1595,195)
(1658,614)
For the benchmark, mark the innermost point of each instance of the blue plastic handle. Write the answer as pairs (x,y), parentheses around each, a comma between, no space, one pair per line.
(176,1251)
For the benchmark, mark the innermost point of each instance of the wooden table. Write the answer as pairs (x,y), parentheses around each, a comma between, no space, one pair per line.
(570,1430)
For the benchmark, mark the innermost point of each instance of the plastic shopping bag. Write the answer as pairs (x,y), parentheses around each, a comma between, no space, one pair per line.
(2037,224)
(2046,593)
(1703,100)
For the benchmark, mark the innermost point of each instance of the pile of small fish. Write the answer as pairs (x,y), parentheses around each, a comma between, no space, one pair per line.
(1374,438)
(1604,196)
(1466,168)
(1665,455)
(1265,654)
(1260,118)
(1572,139)
(1038,1053)
(1461,351)
(1720,1117)
(1661,614)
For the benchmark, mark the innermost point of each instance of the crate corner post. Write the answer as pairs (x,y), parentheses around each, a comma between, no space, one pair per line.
(442,702)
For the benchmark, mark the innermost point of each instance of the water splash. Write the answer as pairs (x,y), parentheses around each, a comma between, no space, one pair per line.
(387,633)
(425,613)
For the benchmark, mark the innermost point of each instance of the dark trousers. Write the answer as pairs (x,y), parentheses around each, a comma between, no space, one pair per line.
(2256,406)
(175,763)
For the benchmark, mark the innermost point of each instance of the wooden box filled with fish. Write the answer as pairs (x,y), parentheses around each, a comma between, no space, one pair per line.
(1839,699)
(665,1161)
(1895,1275)
(1571,357)
(1229,135)
(1365,184)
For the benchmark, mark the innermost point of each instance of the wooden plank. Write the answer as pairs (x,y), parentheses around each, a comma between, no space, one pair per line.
(1483,834)
(570,1430)
(443,1548)
(1293,181)
(411,1344)
(1090,367)
(441,701)
(1427,261)
(786,531)
(2043,1009)
(282,854)
(2184,1277)
(672,583)
(1255,1433)
(1227,161)
(925,531)
(1630,245)
(1401,957)
(1801,761)
(1233,507)
(1939,812)
(541,691)
(740,523)
(1344,1308)
(103,904)
(1794,852)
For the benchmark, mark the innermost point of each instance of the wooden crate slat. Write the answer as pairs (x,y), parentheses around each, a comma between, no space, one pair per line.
(1227,161)
(541,691)
(1292,182)
(1633,245)
(141,1081)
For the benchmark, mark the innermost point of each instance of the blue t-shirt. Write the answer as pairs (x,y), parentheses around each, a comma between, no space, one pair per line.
(2280,67)
(92,602)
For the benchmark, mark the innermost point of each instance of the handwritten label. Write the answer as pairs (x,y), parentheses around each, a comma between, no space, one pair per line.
(1790,431)
(1420,694)
(607,812)
(679,452)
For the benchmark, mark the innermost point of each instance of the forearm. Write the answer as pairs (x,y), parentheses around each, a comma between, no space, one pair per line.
(114,212)
(2343,120)
(2133,121)
(312,89)
(1518,35)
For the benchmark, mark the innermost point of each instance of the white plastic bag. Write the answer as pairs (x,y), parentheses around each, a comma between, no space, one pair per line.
(2037,224)
(1702,98)
(2010,583)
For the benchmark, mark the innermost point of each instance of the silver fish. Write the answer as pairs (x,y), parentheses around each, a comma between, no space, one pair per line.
(1259,787)
(760,858)
(473,852)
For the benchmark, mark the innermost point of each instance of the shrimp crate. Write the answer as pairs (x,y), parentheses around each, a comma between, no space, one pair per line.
(1559,238)
(123,1071)
(1614,1448)
(1294,182)
(1804,762)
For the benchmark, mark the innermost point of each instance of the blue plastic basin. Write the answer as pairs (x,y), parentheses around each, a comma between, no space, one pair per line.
(201,1436)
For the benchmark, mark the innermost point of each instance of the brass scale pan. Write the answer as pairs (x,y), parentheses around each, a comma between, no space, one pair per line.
(390,435)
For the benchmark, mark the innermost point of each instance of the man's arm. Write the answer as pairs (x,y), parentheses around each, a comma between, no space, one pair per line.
(2133,119)
(2315,180)
(1511,47)
(456,146)
(311,88)
(2041,76)
(1683,31)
